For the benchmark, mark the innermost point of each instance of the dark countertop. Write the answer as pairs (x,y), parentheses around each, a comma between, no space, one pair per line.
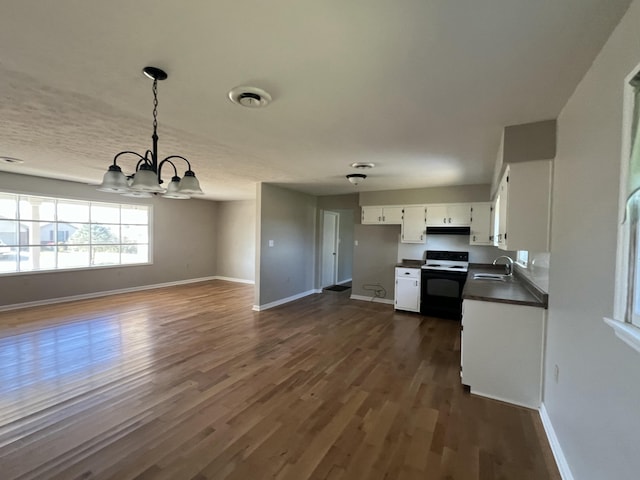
(516,290)
(408,263)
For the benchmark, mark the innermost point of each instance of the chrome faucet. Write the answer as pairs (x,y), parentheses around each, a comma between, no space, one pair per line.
(508,266)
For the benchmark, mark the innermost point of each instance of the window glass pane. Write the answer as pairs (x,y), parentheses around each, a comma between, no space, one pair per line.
(135,214)
(36,258)
(8,259)
(73,256)
(66,232)
(522,257)
(8,206)
(37,208)
(105,255)
(9,232)
(135,234)
(101,234)
(101,213)
(37,233)
(71,211)
(135,254)
(80,236)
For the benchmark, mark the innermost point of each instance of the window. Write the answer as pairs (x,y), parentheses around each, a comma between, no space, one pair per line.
(43,233)
(626,321)
(522,258)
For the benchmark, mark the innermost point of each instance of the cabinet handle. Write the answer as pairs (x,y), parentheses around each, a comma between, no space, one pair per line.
(407,273)
(379,219)
(474,238)
(444,220)
(449,219)
(416,283)
(384,218)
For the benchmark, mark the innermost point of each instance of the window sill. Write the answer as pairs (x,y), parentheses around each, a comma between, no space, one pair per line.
(625,332)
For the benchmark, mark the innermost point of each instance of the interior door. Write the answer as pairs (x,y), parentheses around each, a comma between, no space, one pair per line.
(329,248)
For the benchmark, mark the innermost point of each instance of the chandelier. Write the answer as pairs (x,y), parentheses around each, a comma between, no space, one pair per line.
(147,178)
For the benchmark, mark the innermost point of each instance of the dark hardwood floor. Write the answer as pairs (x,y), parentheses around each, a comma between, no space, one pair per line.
(188,383)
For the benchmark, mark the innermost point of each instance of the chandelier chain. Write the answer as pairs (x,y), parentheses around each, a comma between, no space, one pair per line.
(155,105)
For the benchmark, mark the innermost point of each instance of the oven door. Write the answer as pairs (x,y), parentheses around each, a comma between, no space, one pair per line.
(441,293)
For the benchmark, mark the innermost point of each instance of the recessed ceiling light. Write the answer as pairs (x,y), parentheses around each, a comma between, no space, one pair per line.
(250,97)
(10,160)
(363,165)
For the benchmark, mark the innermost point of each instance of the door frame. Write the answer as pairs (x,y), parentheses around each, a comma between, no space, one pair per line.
(336,248)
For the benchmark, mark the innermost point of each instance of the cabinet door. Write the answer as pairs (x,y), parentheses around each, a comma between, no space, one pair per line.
(480,224)
(413,225)
(502,206)
(502,352)
(407,294)
(437,216)
(458,215)
(392,215)
(371,215)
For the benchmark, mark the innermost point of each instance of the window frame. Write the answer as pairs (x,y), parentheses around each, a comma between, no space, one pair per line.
(624,329)
(89,202)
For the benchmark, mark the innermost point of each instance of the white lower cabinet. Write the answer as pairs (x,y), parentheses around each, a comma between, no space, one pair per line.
(407,294)
(501,354)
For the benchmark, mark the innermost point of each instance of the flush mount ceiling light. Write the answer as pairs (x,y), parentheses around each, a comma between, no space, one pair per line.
(147,179)
(356,178)
(250,97)
(362,165)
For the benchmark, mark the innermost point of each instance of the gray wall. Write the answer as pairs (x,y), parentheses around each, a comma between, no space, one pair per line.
(183,245)
(236,239)
(461,194)
(477,253)
(594,405)
(349,210)
(288,268)
(374,258)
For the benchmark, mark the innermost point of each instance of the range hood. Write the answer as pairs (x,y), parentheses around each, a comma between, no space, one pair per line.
(448,230)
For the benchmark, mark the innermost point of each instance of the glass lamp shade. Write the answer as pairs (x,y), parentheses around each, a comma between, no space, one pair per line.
(189,185)
(146,180)
(173,190)
(114,181)
(356,178)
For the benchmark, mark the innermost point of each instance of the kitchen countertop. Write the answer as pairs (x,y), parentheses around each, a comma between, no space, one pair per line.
(517,290)
(408,263)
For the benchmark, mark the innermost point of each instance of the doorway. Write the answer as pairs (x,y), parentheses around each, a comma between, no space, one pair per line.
(329,262)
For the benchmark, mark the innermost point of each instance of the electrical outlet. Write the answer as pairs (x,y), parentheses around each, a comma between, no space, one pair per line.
(556,373)
(355,243)
(271,243)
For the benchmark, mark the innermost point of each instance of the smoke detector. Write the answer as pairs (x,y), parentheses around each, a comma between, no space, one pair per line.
(250,97)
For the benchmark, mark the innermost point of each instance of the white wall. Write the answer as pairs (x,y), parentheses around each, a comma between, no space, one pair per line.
(595,406)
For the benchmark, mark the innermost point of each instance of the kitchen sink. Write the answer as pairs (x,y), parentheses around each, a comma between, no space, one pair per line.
(491,276)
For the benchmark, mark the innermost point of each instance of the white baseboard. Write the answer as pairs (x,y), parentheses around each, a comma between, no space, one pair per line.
(86,296)
(505,400)
(346,280)
(282,301)
(364,298)
(561,460)
(237,280)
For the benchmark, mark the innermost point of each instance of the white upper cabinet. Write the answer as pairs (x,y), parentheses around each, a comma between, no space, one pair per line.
(390,215)
(449,215)
(414,224)
(481,233)
(523,207)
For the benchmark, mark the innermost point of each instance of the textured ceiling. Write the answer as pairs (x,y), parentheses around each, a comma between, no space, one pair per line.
(420,87)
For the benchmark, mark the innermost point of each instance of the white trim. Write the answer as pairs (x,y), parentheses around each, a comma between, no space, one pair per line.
(626,332)
(364,298)
(236,280)
(340,282)
(558,454)
(505,400)
(86,296)
(282,301)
